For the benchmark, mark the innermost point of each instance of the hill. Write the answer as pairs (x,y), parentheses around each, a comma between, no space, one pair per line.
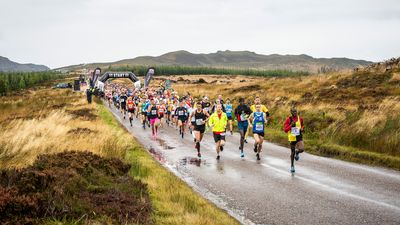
(350,115)
(10,66)
(238,59)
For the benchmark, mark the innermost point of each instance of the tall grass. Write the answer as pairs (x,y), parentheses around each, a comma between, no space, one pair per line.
(363,126)
(174,202)
(12,81)
(187,70)
(51,121)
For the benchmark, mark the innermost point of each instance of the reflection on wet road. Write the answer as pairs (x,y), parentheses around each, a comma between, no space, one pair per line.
(323,191)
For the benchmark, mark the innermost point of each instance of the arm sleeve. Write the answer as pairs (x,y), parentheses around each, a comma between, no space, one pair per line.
(287,126)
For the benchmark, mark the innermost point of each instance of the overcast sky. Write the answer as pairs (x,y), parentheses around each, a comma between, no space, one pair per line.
(65,32)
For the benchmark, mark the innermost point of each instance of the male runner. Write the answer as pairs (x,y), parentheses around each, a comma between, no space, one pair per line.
(218,121)
(294,127)
(242,113)
(257,121)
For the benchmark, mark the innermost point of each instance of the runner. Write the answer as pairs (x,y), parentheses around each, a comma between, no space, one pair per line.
(131,109)
(294,127)
(142,106)
(218,121)
(228,111)
(169,110)
(162,113)
(153,117)
(206,105)
(257,121)
(182,116)
(242,113)
(200,117)
(257,101)
(122,100)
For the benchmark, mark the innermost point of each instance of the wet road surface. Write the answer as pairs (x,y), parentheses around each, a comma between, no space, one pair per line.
(322,191)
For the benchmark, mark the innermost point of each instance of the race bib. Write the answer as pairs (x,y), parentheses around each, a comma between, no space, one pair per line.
(295,131)
(259,126)
(122,100)
(206,108)
(193,119)
(199,122)
(180,113)
(228,110)
(153,112)
(243,117)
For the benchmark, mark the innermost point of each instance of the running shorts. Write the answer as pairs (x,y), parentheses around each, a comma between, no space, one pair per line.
(219,137)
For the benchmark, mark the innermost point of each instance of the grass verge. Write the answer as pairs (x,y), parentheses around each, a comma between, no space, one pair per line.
(173,201)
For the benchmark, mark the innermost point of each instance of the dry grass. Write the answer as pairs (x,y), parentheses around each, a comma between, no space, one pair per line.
(49,121)
(53,130)
(355,110)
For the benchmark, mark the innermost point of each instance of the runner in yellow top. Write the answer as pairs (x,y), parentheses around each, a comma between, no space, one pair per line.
(218,121)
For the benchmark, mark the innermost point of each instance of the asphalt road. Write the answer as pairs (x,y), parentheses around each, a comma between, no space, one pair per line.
(322,191)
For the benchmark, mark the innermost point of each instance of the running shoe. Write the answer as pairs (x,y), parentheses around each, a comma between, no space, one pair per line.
(199,155)
(218,157)
(231,132)
(258,156)
(297,156)
(292,170)
(221,148)
(255,148)
(242,154)
(182,135)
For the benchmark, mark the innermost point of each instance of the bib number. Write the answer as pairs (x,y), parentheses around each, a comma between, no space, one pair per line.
(199,122)
(259,126)
(295,131)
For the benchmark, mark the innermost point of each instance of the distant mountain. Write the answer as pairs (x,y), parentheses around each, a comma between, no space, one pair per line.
(239,59)
(8,65)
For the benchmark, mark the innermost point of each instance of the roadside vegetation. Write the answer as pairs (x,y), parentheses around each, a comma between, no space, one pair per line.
(191,70)
(12,81)
(64,161)
(349,116)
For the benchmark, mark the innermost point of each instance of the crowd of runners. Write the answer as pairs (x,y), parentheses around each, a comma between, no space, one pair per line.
(156,108)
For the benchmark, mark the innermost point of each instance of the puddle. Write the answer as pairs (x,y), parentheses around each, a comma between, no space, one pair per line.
(193,161)
(164,144)
(157,155)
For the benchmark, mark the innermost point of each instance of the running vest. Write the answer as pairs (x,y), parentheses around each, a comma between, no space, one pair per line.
(130,104)
(258,122)
(161,109)
(294,131)
(143,107)
(199,118)
(153,112)
(228,110)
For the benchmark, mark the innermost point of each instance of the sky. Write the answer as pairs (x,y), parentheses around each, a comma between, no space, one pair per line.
(64,32)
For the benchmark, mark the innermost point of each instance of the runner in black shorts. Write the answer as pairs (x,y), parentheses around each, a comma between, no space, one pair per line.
(257,121)
(182,114)
(122,100)
(131,109)
(200,119)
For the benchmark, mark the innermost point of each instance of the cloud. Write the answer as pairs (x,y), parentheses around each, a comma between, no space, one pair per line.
(58,32)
